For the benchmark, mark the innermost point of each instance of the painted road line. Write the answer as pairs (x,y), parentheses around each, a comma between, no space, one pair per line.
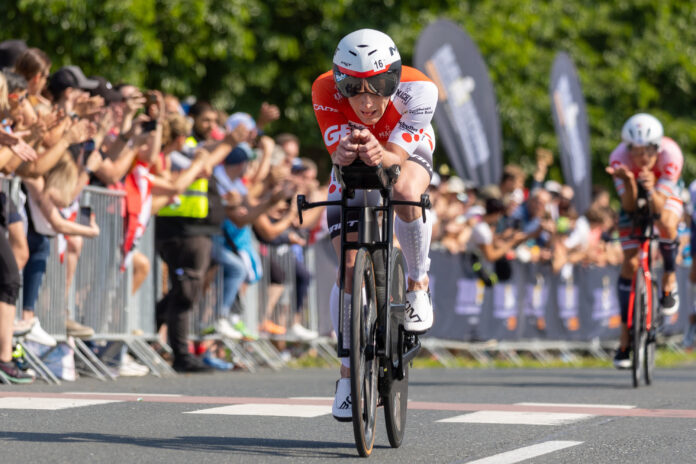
(278,410)
(528,452)
(166,395)
(319,398)
(518,418)
(48,404)
(327,401)
(580,405)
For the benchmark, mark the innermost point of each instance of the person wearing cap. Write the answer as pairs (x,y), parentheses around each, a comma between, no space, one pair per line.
(183,239)
(491,245)
(10,51)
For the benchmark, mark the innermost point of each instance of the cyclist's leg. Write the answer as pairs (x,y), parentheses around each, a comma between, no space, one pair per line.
(628,270)
(414,235)
(669,247)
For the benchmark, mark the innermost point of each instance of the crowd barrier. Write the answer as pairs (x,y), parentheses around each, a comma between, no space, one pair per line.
(533,305)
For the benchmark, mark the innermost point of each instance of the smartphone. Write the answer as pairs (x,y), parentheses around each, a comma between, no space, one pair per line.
(150,99)
(75,150)
(88,147)
(85,215)
(148,126)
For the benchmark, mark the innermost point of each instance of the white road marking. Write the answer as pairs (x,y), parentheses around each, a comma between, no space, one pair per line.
(122,394)
(280,410)
(312,398)
(49,404)
(578,405)
(528,452)
(517,417)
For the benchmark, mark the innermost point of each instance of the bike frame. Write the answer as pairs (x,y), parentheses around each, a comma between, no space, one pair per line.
(377,240)
(644,266)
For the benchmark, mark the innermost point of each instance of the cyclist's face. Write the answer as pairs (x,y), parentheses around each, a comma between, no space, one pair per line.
(643,156)
(368,106)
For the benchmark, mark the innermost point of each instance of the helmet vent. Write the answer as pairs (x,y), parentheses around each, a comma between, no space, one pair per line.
(373,51)
(352,53)
(362,46)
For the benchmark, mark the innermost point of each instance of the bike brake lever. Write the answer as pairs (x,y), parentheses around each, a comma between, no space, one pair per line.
(300,206)
(425,204)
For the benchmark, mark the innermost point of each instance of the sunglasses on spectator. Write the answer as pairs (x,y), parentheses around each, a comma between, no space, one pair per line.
(17,97)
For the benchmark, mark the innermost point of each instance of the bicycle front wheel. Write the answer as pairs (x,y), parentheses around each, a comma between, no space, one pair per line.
(638,334)
(395,389)
(651,339)
(363,353)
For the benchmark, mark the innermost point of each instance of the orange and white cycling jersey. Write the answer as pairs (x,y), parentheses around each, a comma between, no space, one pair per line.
(405,122)
(667,169)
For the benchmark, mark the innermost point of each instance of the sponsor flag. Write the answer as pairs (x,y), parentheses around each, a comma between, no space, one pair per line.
(572,129)
(466,117)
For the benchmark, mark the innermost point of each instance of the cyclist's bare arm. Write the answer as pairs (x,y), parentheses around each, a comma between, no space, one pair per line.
(630,193)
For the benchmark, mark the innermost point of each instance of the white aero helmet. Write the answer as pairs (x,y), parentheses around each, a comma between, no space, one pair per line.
(642,130)
(367,56)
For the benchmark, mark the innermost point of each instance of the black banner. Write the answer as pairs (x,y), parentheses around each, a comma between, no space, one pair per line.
(466,116)
(533,304)
(570,120)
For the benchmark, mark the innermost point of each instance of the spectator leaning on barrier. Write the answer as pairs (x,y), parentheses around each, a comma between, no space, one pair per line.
(183,240)
(491,245)
(9,273)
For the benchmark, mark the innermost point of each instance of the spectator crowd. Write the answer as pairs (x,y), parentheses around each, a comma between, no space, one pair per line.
(221,191)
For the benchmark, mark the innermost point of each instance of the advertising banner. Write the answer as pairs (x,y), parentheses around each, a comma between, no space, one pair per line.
(572,129)
(466,117)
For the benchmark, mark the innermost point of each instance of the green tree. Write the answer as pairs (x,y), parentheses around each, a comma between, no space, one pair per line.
(631,55)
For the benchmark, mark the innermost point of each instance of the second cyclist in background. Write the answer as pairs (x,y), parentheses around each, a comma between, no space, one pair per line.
(646,157)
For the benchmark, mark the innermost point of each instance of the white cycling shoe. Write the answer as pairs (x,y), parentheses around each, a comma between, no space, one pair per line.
(669,303)
(418,317)
(342,409)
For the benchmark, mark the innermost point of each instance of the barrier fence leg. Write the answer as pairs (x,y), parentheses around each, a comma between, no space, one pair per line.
(39,367)
(239,355)
(440,353)
(94,361)
(92,370)
(148,356)
(269,354)
(325,351)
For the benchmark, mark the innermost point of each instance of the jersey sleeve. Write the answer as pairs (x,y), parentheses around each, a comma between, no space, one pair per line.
(332,123)
(671,163)
(615,160)
(416,102)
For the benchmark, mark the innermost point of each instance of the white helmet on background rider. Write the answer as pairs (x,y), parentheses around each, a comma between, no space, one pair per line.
(642,130)
(368,56)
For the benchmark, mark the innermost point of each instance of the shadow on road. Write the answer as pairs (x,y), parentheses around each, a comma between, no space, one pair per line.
(237,445)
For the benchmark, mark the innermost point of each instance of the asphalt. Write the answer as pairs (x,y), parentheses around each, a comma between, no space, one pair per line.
(144,424)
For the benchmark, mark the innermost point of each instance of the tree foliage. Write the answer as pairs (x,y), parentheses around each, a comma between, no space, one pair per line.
(632,55)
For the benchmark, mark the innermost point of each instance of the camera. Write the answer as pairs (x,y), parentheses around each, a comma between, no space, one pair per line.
(150,98)
(148,126)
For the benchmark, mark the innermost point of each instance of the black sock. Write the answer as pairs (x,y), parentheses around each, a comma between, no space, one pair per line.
(669,250)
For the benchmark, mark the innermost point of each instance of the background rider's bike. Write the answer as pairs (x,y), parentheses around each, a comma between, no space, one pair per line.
(643,318)
(379,348)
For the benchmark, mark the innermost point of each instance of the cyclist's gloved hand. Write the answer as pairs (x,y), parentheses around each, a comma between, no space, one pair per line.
(370,150)
(347,150)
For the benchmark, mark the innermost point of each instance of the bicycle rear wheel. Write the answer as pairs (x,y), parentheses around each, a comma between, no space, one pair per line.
(395,387)
(363,356)
(638,334)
